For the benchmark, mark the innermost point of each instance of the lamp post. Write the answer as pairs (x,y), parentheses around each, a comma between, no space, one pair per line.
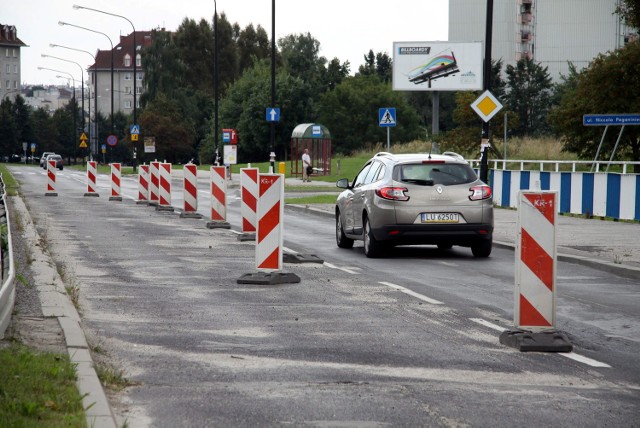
(75,125)
(215,78)
(94,140)
(62,23)
(81,73)
(273,81)
(135,64)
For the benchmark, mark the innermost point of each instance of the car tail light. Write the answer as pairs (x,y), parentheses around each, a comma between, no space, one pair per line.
(480,192)
(393,193)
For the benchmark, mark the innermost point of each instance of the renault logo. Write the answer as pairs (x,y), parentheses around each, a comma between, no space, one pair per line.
(439,189)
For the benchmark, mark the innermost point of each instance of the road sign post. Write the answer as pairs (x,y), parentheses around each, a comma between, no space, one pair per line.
(387,119)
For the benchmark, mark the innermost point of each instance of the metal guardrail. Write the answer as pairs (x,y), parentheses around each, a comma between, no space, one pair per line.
(7,290)
(555,165)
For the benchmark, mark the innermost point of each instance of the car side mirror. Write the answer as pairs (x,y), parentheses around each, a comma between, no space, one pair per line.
(343,183)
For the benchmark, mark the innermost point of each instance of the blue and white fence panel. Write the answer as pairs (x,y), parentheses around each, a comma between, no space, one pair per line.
(586,193)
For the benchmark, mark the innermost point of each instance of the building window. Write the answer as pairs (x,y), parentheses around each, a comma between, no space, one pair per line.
(127,76)
(138,90)
(0,84)
(127,104)
(7,53)
(8,68)
(138,60)
(15,84)
(139,76)
(15,54)
(127,60)
(137,103)
(15,68)
(127,89)
(7,85)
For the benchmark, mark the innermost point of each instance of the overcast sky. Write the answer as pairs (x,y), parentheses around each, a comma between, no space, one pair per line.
(346,29)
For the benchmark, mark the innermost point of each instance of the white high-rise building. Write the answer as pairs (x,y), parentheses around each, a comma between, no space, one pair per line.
(551,32)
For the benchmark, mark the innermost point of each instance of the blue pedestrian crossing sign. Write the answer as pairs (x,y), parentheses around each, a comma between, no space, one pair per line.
(134,130)
(387,117)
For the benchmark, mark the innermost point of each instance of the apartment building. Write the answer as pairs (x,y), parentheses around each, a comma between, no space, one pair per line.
(123,81)
(550,32)
(10,71)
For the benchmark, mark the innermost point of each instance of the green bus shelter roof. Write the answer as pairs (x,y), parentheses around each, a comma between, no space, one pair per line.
(311,130)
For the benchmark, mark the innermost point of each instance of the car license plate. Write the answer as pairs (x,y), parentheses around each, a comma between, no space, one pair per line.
(440,217)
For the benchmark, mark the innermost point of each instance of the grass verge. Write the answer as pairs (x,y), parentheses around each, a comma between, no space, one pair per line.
(38,389)
(10,183)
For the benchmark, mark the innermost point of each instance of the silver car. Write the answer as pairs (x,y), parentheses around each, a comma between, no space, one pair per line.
(415,199)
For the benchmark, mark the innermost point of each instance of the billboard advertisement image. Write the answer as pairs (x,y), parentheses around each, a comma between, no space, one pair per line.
(437,66)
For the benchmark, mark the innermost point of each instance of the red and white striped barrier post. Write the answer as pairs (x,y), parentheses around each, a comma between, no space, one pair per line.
(218,199)
(249,202)
(190,192)
(535,275)
(143,184)
(154,182)
(116,174)
(270,215)
(51,178)
(92,174)
(164,202)
(535,301)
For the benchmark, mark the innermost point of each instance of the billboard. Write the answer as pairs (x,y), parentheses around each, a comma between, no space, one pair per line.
(437,66)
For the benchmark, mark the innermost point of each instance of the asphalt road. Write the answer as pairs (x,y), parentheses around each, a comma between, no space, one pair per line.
(410,340)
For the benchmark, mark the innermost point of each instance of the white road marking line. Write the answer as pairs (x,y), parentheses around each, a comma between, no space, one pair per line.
(571,355)
(332,266)
(289,250)
(585,360)
(412,293)
(488,324)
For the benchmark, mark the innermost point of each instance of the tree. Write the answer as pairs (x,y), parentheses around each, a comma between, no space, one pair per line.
(300,57)
(379,64)
(45,133)
(253,45)
(244,107)
(334,74)
(8,129)
(529,96)
(629,10)
(195,44)
(174,133)
(610,85)
(350,112)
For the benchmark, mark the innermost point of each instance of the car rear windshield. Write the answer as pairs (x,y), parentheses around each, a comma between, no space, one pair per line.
(429,174)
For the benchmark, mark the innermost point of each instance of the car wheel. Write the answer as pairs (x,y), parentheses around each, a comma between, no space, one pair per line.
(372,248)
(444,246)
(341,238)
(482,248)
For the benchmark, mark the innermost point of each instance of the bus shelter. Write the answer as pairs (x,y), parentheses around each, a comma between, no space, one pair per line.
(317,139)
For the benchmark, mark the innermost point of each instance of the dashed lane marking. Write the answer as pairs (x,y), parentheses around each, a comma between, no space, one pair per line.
(412,293)
(332,266)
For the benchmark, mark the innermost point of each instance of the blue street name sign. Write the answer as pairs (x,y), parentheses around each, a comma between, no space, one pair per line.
(610,119)
(273,114)
(387,117)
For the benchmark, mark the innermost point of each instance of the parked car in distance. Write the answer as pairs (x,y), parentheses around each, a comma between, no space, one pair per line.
(57,159)
(43,158)
(415,199)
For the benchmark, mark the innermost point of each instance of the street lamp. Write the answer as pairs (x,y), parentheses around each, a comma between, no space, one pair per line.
(62,23)
(82,74)
(75,124)
(135,63)
(94,140)
(215,76)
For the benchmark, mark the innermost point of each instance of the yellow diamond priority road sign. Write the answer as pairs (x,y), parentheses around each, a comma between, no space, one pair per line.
(486,106)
